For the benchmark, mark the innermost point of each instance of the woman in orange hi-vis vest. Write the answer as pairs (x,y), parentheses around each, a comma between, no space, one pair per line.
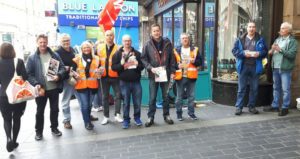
(188,58)
(87,73)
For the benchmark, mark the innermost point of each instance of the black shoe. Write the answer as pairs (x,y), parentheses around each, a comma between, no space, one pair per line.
(193,116)
(10,146)
(168,120)
(238,111)
(56,132)
(283,112)
(89,126)
(92,118)
(253,110)
(270,109)
(16,145)
(38,136)
(149,122)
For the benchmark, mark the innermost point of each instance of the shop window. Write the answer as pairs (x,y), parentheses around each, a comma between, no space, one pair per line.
(167,25)
(178,24)
(191,21)
(233,18)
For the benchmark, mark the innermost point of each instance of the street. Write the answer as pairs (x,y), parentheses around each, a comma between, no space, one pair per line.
(217,134)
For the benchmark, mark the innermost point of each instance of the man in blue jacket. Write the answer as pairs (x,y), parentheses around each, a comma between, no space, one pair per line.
(249,50)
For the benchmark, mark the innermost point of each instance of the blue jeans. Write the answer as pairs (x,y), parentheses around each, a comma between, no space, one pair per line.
(68,91)
(247,76)
(134,90)
(281,84)
(189,85)
(97,102)
(85,99)
(153,88)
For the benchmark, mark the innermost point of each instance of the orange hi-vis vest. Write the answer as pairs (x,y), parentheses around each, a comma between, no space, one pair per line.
(103,55)
(192,71)
(83,82)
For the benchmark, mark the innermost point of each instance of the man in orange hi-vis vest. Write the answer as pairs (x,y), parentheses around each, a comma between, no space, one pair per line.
(109,77)
(188,58)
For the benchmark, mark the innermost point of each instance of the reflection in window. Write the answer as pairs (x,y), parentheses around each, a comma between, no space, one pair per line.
(178,24)
(191,21)
(167,25)
(233,18)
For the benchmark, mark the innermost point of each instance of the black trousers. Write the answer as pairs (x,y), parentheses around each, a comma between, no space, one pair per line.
(11,114)
(41,102)
(115,84)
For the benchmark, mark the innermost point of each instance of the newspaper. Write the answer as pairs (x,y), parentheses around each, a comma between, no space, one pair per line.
(161,74)
(52,69)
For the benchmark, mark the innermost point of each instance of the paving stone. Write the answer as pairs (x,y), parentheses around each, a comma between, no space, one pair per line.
(250,148)
(272,146)
(284,155)
(211,153)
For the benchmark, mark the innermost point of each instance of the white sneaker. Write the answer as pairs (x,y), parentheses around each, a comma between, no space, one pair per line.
(118,118)
(98,109)
(104,121)
(101,108)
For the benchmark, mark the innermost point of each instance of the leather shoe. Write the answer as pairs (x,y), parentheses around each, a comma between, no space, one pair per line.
(168,120)
(10,146)
(149,122)
(238,111)
(283,112)
(253,110)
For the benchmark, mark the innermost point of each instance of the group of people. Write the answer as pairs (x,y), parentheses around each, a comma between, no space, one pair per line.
(89,76)
(250,49)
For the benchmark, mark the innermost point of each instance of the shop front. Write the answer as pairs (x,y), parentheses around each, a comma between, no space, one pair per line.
(195,18)
(79,19)
(233,16)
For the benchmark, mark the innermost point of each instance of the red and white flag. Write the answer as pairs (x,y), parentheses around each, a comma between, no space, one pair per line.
(109,14)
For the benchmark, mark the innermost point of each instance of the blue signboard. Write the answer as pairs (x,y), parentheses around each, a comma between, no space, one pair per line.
(86,12)
(209,14)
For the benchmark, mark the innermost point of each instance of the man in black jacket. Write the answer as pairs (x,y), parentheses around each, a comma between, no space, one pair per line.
(66,53)
(158,59)
(37,68)
(127,62)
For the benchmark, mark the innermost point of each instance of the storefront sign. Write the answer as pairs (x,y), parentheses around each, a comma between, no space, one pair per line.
(162,5)
(86,12)
(209,14)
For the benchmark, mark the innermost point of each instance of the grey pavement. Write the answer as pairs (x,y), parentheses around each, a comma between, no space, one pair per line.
(217,134)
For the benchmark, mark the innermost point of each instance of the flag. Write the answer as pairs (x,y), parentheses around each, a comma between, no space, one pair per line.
(109,14)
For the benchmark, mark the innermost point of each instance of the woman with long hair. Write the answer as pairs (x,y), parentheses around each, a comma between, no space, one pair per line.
(11,113)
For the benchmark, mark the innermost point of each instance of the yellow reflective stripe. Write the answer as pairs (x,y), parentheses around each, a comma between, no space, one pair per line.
(80,71)
(192,69)
(178,70)
(90,79)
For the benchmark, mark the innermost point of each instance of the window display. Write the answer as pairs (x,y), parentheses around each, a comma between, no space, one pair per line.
(233,18)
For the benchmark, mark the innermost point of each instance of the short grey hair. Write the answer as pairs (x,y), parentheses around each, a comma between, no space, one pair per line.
(126,36)
(184,34)
(288,25)
(65,35)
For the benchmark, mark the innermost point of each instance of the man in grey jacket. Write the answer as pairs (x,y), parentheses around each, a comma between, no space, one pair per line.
(37,66)
(158,59)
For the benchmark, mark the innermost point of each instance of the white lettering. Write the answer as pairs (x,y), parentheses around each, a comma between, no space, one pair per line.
(74,6)
(126,9)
